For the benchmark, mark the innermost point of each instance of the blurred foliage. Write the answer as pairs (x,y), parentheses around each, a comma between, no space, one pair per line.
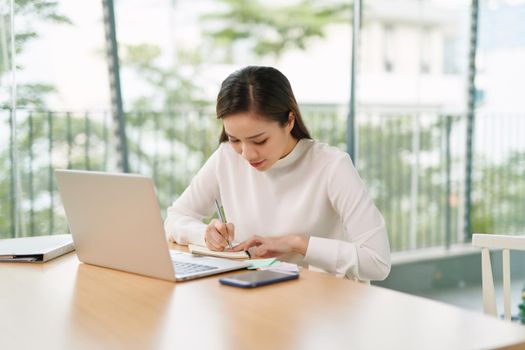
(29,14)
(175,116)
(46,141)
(172,130)
(170,87)
(272,29)
(499,195)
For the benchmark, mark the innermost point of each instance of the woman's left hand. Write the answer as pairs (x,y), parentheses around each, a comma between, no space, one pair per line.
(269,247)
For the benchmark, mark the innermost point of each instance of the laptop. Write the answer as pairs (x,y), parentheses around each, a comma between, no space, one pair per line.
(115,222)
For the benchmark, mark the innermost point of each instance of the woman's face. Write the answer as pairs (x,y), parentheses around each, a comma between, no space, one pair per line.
(258,140)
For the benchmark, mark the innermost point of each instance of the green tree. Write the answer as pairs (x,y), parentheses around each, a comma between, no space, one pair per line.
(385,162)
(29,13)
(31,95)
(174,119)
(499,195)
(171,86)
(271,30)
(176,116)
(49,140)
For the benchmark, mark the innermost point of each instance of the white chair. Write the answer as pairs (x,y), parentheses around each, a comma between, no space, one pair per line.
(500,242)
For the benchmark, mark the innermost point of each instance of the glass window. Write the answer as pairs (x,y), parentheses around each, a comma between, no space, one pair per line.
(410,116)
(499,187)
(176,54)
(61,116)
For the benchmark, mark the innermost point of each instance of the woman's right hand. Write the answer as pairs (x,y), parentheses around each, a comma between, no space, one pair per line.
(218,235)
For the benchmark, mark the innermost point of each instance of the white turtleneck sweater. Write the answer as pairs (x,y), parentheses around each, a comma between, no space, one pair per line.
(314,190)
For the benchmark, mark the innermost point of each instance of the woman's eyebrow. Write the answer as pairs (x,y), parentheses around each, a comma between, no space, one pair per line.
(250,137)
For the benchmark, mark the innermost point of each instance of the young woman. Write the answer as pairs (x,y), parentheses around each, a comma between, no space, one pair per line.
(284,194)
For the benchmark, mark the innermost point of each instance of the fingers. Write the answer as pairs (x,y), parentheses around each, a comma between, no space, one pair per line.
(251,242)
(219,234)
(215,235)
(262,252)
(263,247)
(230,228)
(215,241)
(225,230)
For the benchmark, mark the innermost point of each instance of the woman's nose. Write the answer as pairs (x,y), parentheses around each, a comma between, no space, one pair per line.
(249,153)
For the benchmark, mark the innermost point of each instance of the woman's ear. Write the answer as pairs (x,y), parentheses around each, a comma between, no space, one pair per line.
(291,121)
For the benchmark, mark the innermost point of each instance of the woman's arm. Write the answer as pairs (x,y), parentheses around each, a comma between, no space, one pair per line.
(364,253)
(268,247)
(183,224)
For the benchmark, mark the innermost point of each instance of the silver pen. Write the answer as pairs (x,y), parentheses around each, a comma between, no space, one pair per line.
(223,219)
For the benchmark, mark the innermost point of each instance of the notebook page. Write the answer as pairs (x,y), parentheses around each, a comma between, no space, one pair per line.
(200,250)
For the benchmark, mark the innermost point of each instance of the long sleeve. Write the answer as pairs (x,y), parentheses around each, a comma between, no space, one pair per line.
(183,223)
(364,254)
(315,189)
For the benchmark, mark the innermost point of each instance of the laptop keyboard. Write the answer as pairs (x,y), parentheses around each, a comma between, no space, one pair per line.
(185,268)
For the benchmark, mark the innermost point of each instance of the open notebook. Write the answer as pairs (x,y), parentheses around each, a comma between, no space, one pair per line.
(200,250)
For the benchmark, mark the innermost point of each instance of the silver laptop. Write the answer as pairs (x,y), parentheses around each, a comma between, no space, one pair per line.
(115,222)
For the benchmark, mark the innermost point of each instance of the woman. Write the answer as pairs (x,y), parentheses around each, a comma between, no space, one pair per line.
(284,194)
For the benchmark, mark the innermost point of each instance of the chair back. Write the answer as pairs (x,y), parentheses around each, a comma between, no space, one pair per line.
(505,243)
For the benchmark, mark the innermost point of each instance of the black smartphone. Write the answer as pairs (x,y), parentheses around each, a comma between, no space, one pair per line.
(257,278)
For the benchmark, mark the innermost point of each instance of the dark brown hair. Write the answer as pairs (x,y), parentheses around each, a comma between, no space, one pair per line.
(264,91)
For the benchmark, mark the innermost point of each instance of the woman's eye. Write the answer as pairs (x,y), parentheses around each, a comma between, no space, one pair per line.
(261,142)
(233,141)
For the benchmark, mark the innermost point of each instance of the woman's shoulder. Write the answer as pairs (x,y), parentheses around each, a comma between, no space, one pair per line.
(221,155)
(224,150)
(325,153)
(331,163)
(226,156)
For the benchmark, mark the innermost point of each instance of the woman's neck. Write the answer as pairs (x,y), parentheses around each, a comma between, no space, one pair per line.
(290,147)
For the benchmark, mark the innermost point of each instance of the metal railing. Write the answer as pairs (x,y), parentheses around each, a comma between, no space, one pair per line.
(411,162)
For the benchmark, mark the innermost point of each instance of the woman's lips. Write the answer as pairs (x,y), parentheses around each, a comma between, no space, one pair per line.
(257,164)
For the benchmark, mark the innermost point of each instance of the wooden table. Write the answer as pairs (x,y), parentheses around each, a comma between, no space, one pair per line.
(64,304)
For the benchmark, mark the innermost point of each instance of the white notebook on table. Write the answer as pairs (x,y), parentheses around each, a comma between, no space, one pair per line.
(35,249)
(200,250)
